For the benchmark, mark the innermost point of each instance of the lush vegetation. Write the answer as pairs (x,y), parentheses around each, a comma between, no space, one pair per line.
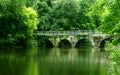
(64,15)
(17,22)
(113,57)
(18,19)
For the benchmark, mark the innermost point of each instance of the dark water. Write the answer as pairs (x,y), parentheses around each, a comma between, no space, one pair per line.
(55,61)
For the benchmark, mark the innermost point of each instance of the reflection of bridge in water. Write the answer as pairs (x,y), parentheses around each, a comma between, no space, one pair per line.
(71,55)
(73,38)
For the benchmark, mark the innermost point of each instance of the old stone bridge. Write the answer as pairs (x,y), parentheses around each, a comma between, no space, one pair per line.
(73,38)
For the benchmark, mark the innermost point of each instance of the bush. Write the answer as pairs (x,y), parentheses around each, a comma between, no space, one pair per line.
(114,58)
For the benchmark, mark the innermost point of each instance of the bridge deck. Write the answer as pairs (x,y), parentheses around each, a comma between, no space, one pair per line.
(75,32)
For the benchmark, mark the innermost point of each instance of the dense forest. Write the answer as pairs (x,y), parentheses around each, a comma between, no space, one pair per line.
(18,19)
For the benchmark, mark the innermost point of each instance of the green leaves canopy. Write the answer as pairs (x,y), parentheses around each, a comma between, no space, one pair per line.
(17,22)
(64,15)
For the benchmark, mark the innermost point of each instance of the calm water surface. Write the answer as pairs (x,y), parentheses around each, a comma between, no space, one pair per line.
(55,61)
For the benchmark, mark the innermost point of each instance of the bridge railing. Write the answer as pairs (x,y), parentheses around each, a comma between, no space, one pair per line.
(72,32)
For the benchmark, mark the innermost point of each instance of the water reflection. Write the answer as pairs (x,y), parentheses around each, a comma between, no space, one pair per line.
(54,61)
(17,62)
(73,62)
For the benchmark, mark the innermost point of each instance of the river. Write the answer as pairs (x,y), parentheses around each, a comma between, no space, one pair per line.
(53,61)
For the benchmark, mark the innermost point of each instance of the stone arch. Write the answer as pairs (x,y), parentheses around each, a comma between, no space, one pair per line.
(64,43)
(45,43)
(83,43)
(103,41)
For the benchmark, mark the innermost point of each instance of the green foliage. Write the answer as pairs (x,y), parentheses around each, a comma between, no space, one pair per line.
(99,10)
(44,15)
(18,19)
(111,21)
(114,57)
(32,3)
(64,15)
(105,14)
(17,22)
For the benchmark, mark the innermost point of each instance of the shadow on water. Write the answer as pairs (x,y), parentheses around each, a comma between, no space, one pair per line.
(17,61)
(42,51)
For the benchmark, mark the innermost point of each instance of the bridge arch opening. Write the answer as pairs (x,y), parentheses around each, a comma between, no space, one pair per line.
(64,43)
(103,43)
(83,43)
(46,43)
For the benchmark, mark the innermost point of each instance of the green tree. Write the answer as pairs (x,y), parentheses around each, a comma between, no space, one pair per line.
(111,23)
(44,15)
(17,22)
(32,3)
(98,11)
(64,15)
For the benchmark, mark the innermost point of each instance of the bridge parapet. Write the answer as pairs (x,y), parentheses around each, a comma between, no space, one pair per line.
(72,32)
